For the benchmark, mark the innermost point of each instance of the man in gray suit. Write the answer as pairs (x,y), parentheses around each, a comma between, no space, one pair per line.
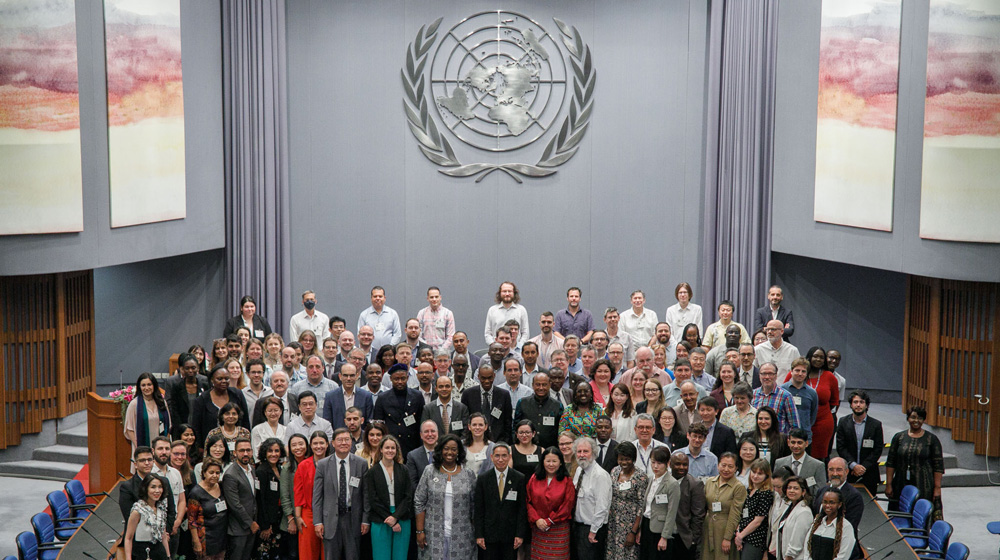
(418,459)
(444,405)
(338,500)
(239,487)
(812,470)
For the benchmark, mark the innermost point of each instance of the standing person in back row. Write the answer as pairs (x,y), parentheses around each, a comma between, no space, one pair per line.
(715,334)
(775,311)
(507,307)
(382,318)
(309,319)
(437,322)
(638,322)
(683,313)
(574,319)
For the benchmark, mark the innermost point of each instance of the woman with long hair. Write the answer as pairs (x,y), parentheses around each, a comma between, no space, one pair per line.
(389,497)
(622,413)
(198,351)
(386,357)
(600,375)
(220,353)
(794,521)
(237,377)
(310,545)
(691,335)
(722,391)
(550,499)
(652,390)
(668,429)
(194,450)
(255,351)
(565,442)
(271,427)
(478,447)
(207,513)
(369,443)
(525,453)
(310,347)
(661,357)
(269,456)
(831,537)
(683,351)
(147,415)
(146,534)
(298,451)
(636,388)
(825,384)
(751,537)
(273,343)
(765,434)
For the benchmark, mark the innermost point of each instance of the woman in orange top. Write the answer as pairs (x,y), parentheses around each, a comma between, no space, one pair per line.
(310,545)
(550,499)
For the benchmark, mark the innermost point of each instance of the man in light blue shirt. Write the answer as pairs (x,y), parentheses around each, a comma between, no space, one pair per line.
(382,318)
(702,463)
(803,396)
(315,381)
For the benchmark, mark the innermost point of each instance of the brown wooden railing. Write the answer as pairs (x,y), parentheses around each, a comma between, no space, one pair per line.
(46,349)
(952,352)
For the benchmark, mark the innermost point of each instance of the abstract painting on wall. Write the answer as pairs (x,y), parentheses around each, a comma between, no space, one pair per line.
(960,193)
(856,116)
(41,185)
(145,111)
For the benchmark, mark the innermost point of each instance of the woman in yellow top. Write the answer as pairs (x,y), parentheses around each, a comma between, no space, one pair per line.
(724,500)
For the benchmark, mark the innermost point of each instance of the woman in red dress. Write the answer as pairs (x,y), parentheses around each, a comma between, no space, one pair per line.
(550,500)
(310,545)
(825,384)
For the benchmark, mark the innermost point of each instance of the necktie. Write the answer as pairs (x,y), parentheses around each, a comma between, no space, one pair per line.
(342,499)
(500,484)
(444,418)
(797,465)
(600,456)
(429,458)
(486,406)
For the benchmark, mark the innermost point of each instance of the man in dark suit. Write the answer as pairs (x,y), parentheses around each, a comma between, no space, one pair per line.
(338,499)
(862,454)
(400,408)
(690,510)
(500,517)
(721,438)
(461,343)
(335,403)
(239,487)
(128,492)
(418,459)
(290,405)
(557,380)
(836,473)
(746,371)
(774,310)
(445,404)
(176,392)
(492,402)
(606,450)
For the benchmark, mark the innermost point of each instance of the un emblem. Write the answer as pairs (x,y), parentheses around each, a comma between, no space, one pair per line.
(498,82)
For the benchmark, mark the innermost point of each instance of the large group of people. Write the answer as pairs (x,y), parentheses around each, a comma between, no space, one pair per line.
(396,441)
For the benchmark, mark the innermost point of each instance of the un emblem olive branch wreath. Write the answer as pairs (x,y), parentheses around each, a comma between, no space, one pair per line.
(560,149)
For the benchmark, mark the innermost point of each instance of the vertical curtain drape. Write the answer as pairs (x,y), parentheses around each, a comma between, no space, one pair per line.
(739,158)
(256,151)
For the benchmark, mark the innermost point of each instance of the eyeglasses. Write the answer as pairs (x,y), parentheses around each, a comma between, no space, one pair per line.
(653,390)
(747,354)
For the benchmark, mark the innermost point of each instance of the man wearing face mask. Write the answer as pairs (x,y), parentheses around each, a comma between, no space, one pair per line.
(309,319)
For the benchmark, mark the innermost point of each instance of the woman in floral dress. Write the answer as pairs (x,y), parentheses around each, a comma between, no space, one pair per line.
(628,496)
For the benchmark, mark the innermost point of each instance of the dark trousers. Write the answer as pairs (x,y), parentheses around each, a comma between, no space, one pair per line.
(586,550)
(677,551)
(148,551)
(498,550)
(648,542)
(346,542)
(240,547)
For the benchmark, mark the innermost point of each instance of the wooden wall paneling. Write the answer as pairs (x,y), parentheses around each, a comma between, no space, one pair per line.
(62,317)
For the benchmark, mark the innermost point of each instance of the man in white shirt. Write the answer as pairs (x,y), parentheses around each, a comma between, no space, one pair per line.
(548,341)
(639,322)
(776,350)
(437,322)
(612,320)
(382,319)
(308,319)
(255,390)
(161,466)
(442,363)
(307,421)
(424,381)
(512,383)
(593,502)
(644,443)
(366,336)
(507,307)
(337,326)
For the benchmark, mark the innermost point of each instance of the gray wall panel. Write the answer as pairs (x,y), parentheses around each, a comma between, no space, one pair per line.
(794,230)
(371,209)
(203,228)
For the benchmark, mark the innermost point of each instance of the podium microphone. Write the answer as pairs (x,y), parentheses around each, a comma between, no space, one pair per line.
(875,528)
(872,555)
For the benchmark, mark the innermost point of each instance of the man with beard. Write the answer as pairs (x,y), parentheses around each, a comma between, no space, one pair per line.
(507,307)
(593,502)
(547,341)
(836,474)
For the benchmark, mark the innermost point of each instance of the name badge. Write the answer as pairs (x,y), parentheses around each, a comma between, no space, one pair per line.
(511,495)
(457,425)
(220,506)
(746,512)
(379,327)
(662,498)
(479,456)
(797,400)
(231,445)
(354,482)
(716,506)
(440,323)
(274,486)
(811,481)
(868,443)
(496,412)
(531,458)
(625,486)
(548,421)
(679,402)
(409,420)
(259,333)
(256,485)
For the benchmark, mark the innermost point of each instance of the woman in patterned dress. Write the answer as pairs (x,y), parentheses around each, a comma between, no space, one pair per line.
(628,496)
(915,458)
(443,504)
(550,501)
(741,417)
(581,416)
(751,538)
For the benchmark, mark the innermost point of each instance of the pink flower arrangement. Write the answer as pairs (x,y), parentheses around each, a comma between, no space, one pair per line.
(123,396)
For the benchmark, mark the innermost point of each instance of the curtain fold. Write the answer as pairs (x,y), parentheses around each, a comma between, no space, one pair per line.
(255,124)
(740,155)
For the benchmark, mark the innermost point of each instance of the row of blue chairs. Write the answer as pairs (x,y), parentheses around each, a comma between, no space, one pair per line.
(931,541)
(51,531)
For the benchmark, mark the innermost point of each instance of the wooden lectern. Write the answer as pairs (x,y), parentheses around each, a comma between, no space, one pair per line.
(108,452)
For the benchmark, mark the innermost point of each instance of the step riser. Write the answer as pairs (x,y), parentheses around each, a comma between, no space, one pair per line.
(72,440)
(13,469)
(44,455)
